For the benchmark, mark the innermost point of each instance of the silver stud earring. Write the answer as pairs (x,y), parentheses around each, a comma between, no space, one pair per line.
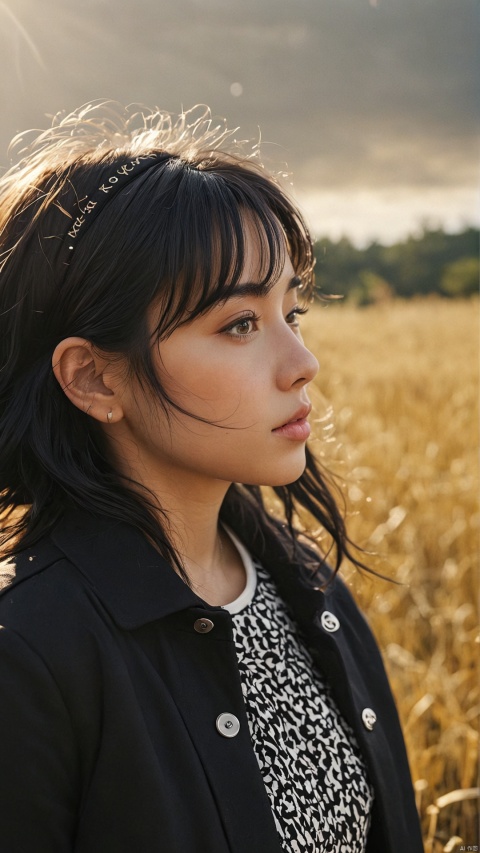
(110,416)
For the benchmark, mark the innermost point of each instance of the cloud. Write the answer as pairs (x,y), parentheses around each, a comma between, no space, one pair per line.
(350,94)
(387,215)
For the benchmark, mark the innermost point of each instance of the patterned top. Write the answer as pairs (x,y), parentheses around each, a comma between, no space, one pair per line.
(308,755)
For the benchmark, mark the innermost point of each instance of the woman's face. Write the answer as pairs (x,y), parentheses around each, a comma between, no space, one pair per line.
(242,367)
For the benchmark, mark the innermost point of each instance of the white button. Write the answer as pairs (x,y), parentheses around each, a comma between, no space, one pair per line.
(329,622)
(227,725)
(203,626)
(369,718)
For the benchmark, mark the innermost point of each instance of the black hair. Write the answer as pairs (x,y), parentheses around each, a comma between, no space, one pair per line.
(173,236)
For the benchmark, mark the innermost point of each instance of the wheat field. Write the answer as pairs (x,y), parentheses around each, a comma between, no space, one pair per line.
(397,421)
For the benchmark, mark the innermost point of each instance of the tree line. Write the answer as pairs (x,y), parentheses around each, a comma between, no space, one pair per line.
(433,262)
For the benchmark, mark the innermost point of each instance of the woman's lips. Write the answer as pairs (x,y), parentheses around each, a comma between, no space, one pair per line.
(298,430)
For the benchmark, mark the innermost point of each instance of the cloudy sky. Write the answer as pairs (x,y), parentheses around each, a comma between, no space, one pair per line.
(372,104)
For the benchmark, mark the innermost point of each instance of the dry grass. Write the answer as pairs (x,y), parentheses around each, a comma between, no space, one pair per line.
(403,383)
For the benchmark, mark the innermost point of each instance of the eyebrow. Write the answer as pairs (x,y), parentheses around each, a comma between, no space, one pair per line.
(260,290)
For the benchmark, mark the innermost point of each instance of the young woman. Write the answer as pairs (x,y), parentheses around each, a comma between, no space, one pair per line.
(180,673)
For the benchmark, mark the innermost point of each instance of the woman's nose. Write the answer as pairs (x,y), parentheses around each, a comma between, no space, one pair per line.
(297,365)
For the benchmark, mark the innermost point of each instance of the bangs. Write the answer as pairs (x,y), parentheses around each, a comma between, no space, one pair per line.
(219,216)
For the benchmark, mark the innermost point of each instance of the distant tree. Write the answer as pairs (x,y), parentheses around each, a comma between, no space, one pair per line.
(371,288)
(338,265)
(416,266)
(421,264)
(461,278)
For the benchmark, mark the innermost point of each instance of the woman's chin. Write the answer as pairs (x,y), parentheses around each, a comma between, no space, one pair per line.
(284,475)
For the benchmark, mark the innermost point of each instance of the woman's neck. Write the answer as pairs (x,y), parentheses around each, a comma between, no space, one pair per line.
(189,507)
(211,560)
(224,579)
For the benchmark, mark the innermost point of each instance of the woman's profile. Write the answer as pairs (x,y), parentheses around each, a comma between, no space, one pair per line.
(181,669)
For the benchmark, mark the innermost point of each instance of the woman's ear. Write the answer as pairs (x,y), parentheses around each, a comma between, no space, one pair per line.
(88,380)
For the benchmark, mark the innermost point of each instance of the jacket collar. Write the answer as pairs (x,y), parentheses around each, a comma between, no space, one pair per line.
(131,579)
(134,583)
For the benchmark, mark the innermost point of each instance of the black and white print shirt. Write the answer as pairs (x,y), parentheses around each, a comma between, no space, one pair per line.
(311,765)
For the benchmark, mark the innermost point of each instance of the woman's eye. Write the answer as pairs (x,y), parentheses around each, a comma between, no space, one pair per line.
(243,328)
(293,315)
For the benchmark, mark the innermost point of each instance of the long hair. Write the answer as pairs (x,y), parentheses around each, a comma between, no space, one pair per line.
(173,236)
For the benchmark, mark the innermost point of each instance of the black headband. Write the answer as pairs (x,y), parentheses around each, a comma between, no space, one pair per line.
(91,206)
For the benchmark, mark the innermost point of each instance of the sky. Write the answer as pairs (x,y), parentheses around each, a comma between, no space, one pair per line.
(372,106)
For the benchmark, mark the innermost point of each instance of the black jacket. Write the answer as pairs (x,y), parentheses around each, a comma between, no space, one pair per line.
(110,696)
